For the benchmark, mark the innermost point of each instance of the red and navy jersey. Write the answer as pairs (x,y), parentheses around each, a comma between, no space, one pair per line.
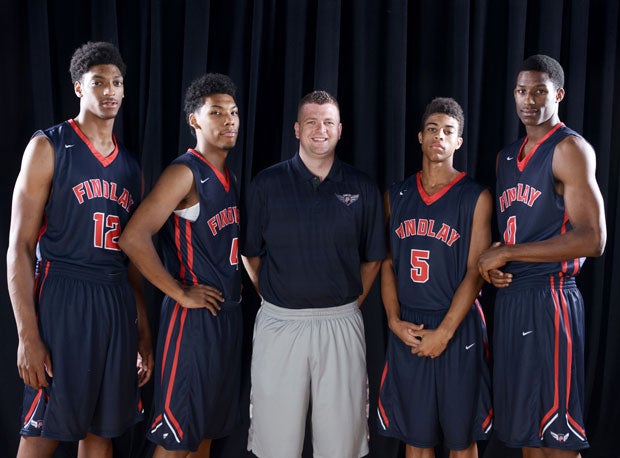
(205,251)
(529,209)
(430,238)
(91,200)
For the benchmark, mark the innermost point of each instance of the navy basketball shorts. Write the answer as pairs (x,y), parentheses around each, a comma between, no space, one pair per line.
(538,378)
(197,375)
(424,401)
(88,321)
(304,357)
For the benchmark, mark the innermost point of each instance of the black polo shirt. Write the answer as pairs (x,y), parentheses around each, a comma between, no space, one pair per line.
(312,237)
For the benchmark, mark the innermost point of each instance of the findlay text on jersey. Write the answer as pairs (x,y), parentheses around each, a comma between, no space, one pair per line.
(98,188)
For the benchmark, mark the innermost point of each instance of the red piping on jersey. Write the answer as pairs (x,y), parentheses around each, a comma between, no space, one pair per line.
(386,420)
(40,281)
(576,425)
(175,361)
(556,359)
(173,318)
(487,351)
(33,406)
(177,244)
(158,418)
(105,160)
(522,163)
(569,340)
(435,197)
(561,311)
(190,249)
(575,261)
(487,420)
(43,228)
(224,179)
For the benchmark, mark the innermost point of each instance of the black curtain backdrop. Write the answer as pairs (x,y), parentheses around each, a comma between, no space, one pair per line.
(384,60)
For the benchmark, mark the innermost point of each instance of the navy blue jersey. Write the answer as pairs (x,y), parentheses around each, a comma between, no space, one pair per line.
(205,251)
(430,238)
(91,200)
(528,207)
(312,236)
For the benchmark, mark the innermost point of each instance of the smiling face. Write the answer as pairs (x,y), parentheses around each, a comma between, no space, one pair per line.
(216,123)
(536,98)
(440,137)
(101,91)
(318,129)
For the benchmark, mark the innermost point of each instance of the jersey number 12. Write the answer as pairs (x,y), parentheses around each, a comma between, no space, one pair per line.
(107,231)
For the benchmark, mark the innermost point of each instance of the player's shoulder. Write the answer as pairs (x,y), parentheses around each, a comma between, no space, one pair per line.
(129,155)
(472,184)
(573,146)
(573,139)
(184,158)
(54,132)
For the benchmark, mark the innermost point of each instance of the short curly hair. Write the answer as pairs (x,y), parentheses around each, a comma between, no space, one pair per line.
(544,64)
(318,97)
(94,53)
(447,106)
(208,84)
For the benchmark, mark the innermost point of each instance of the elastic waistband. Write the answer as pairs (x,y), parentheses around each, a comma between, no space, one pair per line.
(230,305)
(63,269)
(541,281)
(224,306)
(324,313)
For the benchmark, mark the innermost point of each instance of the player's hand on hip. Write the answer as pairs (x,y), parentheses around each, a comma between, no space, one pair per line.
(202,296)
(33,362)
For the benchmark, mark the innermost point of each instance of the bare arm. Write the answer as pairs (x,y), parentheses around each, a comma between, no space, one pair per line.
(389,294)
(368,272)
(145,362)
(32,190)
(171,190)
(252,267)
(574,165)
(434,342)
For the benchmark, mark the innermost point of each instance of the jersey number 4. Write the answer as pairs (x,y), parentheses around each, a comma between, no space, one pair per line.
(234,252)
(107,231)
(511,231)
(419,265)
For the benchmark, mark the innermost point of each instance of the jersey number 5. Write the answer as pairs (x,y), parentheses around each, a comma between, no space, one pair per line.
(511,231)
(419,265)
(107,231)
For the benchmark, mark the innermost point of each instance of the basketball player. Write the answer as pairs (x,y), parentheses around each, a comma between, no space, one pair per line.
(550,212)
(79,332)
(313,245)
(198,350)
(436,383)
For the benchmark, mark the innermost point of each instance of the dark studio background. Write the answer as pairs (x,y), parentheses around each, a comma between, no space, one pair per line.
(384,60)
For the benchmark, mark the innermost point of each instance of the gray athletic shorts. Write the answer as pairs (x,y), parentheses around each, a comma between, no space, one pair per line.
(303,356)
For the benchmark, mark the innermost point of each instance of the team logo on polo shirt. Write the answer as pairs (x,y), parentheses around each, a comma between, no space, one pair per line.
(348,199)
